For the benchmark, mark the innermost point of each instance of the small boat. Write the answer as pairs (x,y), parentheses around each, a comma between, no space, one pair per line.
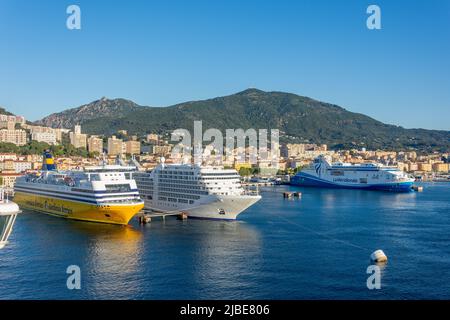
(8,214)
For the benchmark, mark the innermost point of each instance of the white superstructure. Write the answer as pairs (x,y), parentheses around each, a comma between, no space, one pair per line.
(201,192)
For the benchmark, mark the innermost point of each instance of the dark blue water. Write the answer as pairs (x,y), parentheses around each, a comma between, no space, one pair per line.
(317,247)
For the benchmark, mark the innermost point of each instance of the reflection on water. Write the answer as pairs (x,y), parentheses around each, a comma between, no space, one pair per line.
(105,253)
(130,262)
(227,256)
(197,259)
(275,251)
(113,256)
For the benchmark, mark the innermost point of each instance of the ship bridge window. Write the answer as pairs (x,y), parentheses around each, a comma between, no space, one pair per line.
(118,187)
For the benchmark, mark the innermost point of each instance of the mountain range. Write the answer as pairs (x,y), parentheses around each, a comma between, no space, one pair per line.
(299,119)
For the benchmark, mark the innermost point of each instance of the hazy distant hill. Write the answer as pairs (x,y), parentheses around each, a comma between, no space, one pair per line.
(301,117)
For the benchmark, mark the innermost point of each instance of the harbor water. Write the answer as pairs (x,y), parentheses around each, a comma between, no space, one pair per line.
(313,247)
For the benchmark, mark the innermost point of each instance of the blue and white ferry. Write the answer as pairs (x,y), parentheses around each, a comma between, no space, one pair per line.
(370,176)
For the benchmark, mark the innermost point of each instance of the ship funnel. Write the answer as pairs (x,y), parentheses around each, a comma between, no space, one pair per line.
(48,163)
(323,160)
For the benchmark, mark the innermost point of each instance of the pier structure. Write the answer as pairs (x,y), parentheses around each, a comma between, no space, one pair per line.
(146,216)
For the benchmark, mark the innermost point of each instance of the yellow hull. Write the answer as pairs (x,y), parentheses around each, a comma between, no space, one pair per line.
(114,213)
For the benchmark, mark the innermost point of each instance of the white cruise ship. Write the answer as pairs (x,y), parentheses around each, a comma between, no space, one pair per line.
(370,176)
(97,194)
(201,192)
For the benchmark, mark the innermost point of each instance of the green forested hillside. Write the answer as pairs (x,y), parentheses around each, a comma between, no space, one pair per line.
(300,118)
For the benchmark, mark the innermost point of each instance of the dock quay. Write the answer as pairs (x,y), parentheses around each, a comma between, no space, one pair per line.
(146,216)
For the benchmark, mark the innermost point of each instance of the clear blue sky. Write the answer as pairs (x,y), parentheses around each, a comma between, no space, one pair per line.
(160,53)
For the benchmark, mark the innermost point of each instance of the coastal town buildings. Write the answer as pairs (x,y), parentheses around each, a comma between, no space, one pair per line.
(17,166)
(132,147)
(8,178)
(115,146)
(441,167)
(162,150)
(12,135)
(45,134)
(152,138)
(7,156)
(11,118)
(95,144)
(46,137)
(78,139)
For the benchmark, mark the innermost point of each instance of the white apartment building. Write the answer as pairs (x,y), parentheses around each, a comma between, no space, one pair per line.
(46,137)
(78,139)
(17,137)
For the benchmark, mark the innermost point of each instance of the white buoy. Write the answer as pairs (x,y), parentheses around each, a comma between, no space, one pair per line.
(378,256)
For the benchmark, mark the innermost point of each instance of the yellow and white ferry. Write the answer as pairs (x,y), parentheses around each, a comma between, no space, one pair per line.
(96,194)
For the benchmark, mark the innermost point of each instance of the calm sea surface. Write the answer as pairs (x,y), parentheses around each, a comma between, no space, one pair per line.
(317,247)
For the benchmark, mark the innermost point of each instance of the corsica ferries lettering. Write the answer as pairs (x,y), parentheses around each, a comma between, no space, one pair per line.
(51,207)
